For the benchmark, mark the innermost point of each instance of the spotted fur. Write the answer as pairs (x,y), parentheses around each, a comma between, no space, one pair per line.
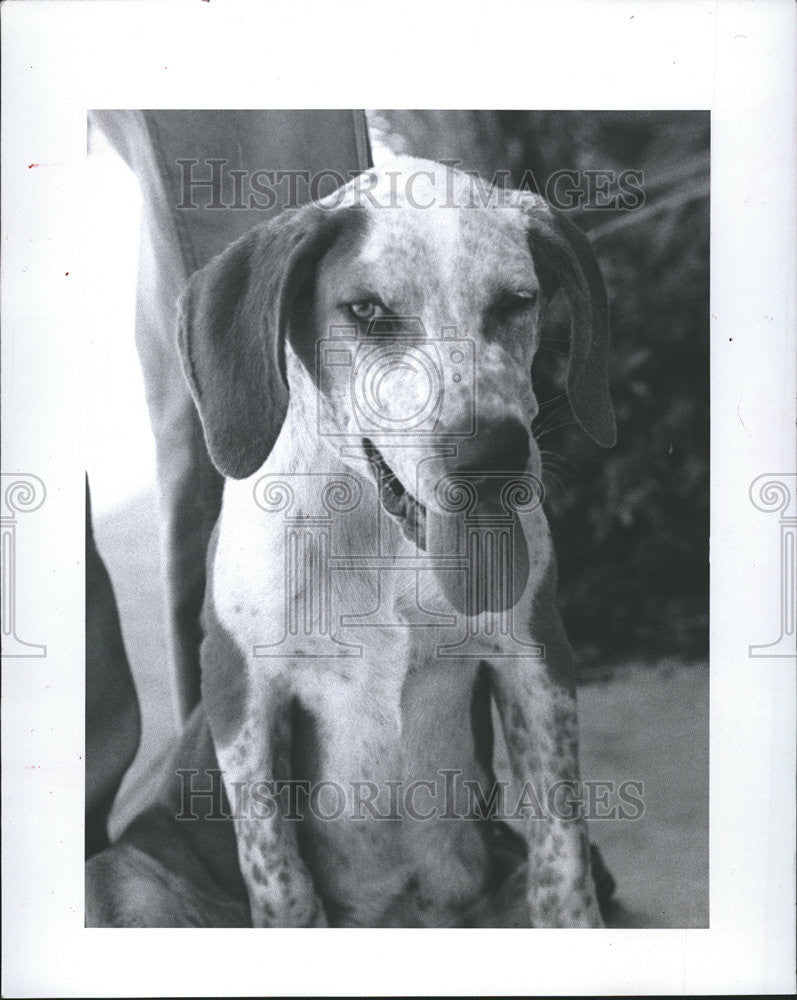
(428,242)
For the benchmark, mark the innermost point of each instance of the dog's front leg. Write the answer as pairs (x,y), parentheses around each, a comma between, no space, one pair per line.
(537,704)
(538,715)
(255,764)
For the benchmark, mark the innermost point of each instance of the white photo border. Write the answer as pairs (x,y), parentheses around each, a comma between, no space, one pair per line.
(736,59)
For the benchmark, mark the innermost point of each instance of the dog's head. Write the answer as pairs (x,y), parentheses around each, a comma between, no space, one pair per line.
(409,306)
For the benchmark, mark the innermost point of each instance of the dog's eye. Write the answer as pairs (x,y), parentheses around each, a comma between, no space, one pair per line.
(511,305)
(512,302)
(366,310)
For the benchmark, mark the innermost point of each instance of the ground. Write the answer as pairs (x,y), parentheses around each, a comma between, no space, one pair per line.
(641,722)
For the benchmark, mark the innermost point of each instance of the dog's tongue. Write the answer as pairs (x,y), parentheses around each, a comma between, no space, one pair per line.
(496,553)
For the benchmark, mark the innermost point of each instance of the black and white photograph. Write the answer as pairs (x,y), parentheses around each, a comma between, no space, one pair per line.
(383,402)
(420,509)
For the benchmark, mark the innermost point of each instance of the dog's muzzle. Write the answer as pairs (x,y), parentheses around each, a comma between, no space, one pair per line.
(488,536)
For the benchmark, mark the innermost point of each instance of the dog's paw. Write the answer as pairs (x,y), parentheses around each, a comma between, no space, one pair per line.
(313,916)
(289,901)
(548,909)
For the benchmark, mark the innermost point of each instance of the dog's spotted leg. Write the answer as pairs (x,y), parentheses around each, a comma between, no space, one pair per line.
(539,722)
(250,710)
(250,715)
(536,700)
(281,890)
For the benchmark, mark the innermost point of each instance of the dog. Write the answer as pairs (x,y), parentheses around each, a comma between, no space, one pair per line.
(382,572)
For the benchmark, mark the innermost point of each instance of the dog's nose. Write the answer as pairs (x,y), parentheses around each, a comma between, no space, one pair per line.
(499,448)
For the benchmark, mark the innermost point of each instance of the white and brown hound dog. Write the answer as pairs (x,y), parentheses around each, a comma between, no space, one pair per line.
(382,571)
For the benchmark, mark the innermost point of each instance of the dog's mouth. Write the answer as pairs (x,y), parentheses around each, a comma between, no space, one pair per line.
(396,498)
(497,561)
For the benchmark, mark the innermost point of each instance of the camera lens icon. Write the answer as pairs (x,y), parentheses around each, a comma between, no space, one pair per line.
(397,389)
(395,379)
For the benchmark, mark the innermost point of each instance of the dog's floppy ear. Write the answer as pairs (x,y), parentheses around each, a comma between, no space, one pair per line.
(231,339)
(564,259)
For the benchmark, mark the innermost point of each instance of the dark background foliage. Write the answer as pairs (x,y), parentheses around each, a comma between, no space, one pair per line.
(631,523)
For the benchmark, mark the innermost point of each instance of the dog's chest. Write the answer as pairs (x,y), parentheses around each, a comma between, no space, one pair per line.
(386,720)
(293,584)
